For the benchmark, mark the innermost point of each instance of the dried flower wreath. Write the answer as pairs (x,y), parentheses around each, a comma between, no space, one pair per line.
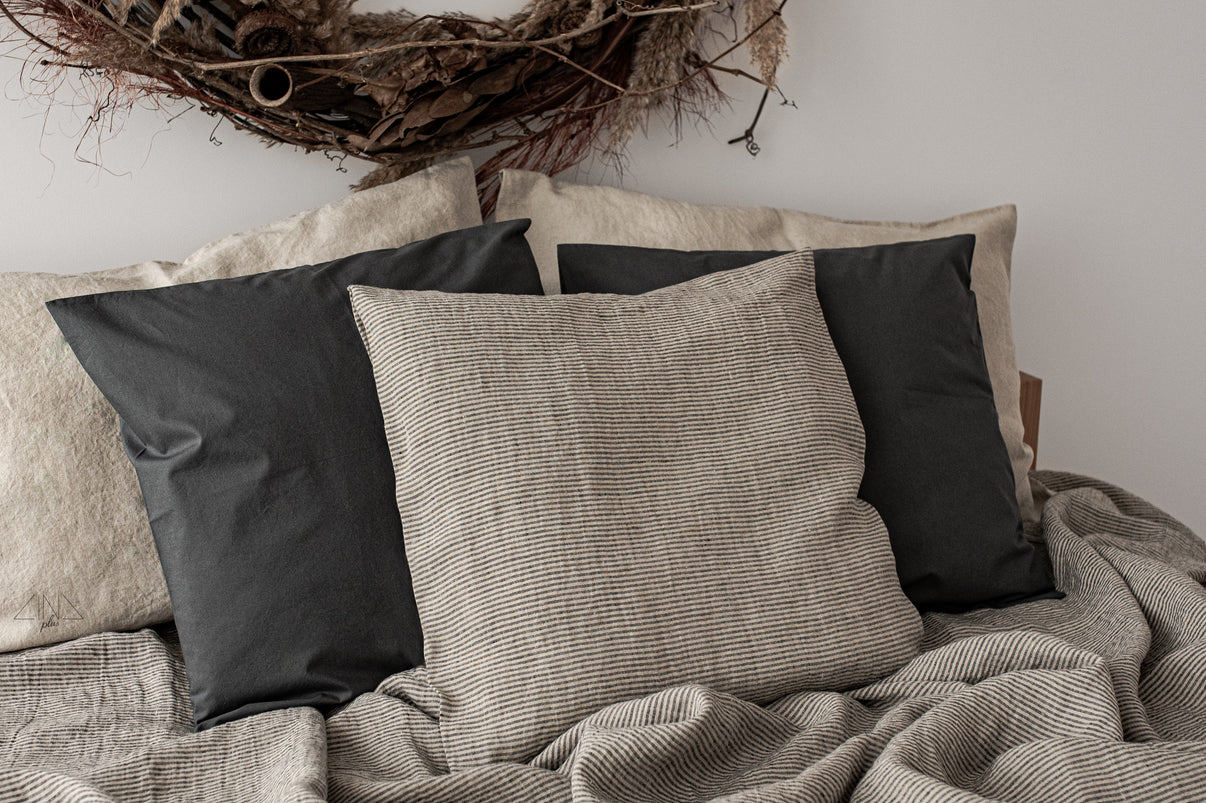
(543,89)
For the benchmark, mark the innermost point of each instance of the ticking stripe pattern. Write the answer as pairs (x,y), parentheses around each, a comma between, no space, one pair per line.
(1037,702)
(603,496)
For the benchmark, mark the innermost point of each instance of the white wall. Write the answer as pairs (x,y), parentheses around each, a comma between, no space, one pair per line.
(1091,116)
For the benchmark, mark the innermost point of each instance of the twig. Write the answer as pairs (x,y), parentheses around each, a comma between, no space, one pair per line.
(748,137)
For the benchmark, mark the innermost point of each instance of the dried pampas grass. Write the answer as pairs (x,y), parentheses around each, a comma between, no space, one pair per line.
(767,34)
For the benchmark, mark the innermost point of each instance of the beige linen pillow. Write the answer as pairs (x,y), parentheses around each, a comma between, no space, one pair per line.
(78,557)
(607,495)
(569,213)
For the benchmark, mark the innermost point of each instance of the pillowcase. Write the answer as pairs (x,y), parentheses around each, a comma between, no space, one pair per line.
(630,492)
(567,213)
(249,413)
(78,556)
(903,320)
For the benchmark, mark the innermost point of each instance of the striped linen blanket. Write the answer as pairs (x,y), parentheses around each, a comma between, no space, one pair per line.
(1098,696)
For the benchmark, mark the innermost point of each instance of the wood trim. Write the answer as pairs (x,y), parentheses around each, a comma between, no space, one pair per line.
(1031,401)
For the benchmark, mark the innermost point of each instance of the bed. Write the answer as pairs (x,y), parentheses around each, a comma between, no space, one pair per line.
(699,503)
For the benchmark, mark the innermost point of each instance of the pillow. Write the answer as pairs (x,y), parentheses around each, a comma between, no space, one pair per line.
(249,413)
(567,213)
(936,467)
(634,492)
(78,556)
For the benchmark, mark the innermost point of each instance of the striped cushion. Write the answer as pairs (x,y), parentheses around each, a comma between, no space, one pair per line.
(606,495)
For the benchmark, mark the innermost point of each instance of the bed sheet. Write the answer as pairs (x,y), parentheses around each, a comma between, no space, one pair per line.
(1100,695)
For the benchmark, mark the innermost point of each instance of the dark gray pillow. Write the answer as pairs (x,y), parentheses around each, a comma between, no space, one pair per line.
(249,411)
(904,321)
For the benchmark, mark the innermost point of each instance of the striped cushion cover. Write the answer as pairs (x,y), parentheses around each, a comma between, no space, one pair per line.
(606,495)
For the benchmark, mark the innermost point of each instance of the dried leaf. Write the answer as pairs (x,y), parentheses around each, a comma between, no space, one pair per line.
(418,115)
(385,93)
(496,81)
(456,58)
(377,133)
(414,73)
(461,120)
(450,102)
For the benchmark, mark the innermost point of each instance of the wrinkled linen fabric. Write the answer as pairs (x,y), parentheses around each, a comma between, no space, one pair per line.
(1099,696)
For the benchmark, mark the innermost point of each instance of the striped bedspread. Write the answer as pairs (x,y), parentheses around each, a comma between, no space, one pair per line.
(1099,696)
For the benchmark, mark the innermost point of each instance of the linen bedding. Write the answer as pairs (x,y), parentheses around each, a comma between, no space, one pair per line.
(1097,696)
(641,522)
